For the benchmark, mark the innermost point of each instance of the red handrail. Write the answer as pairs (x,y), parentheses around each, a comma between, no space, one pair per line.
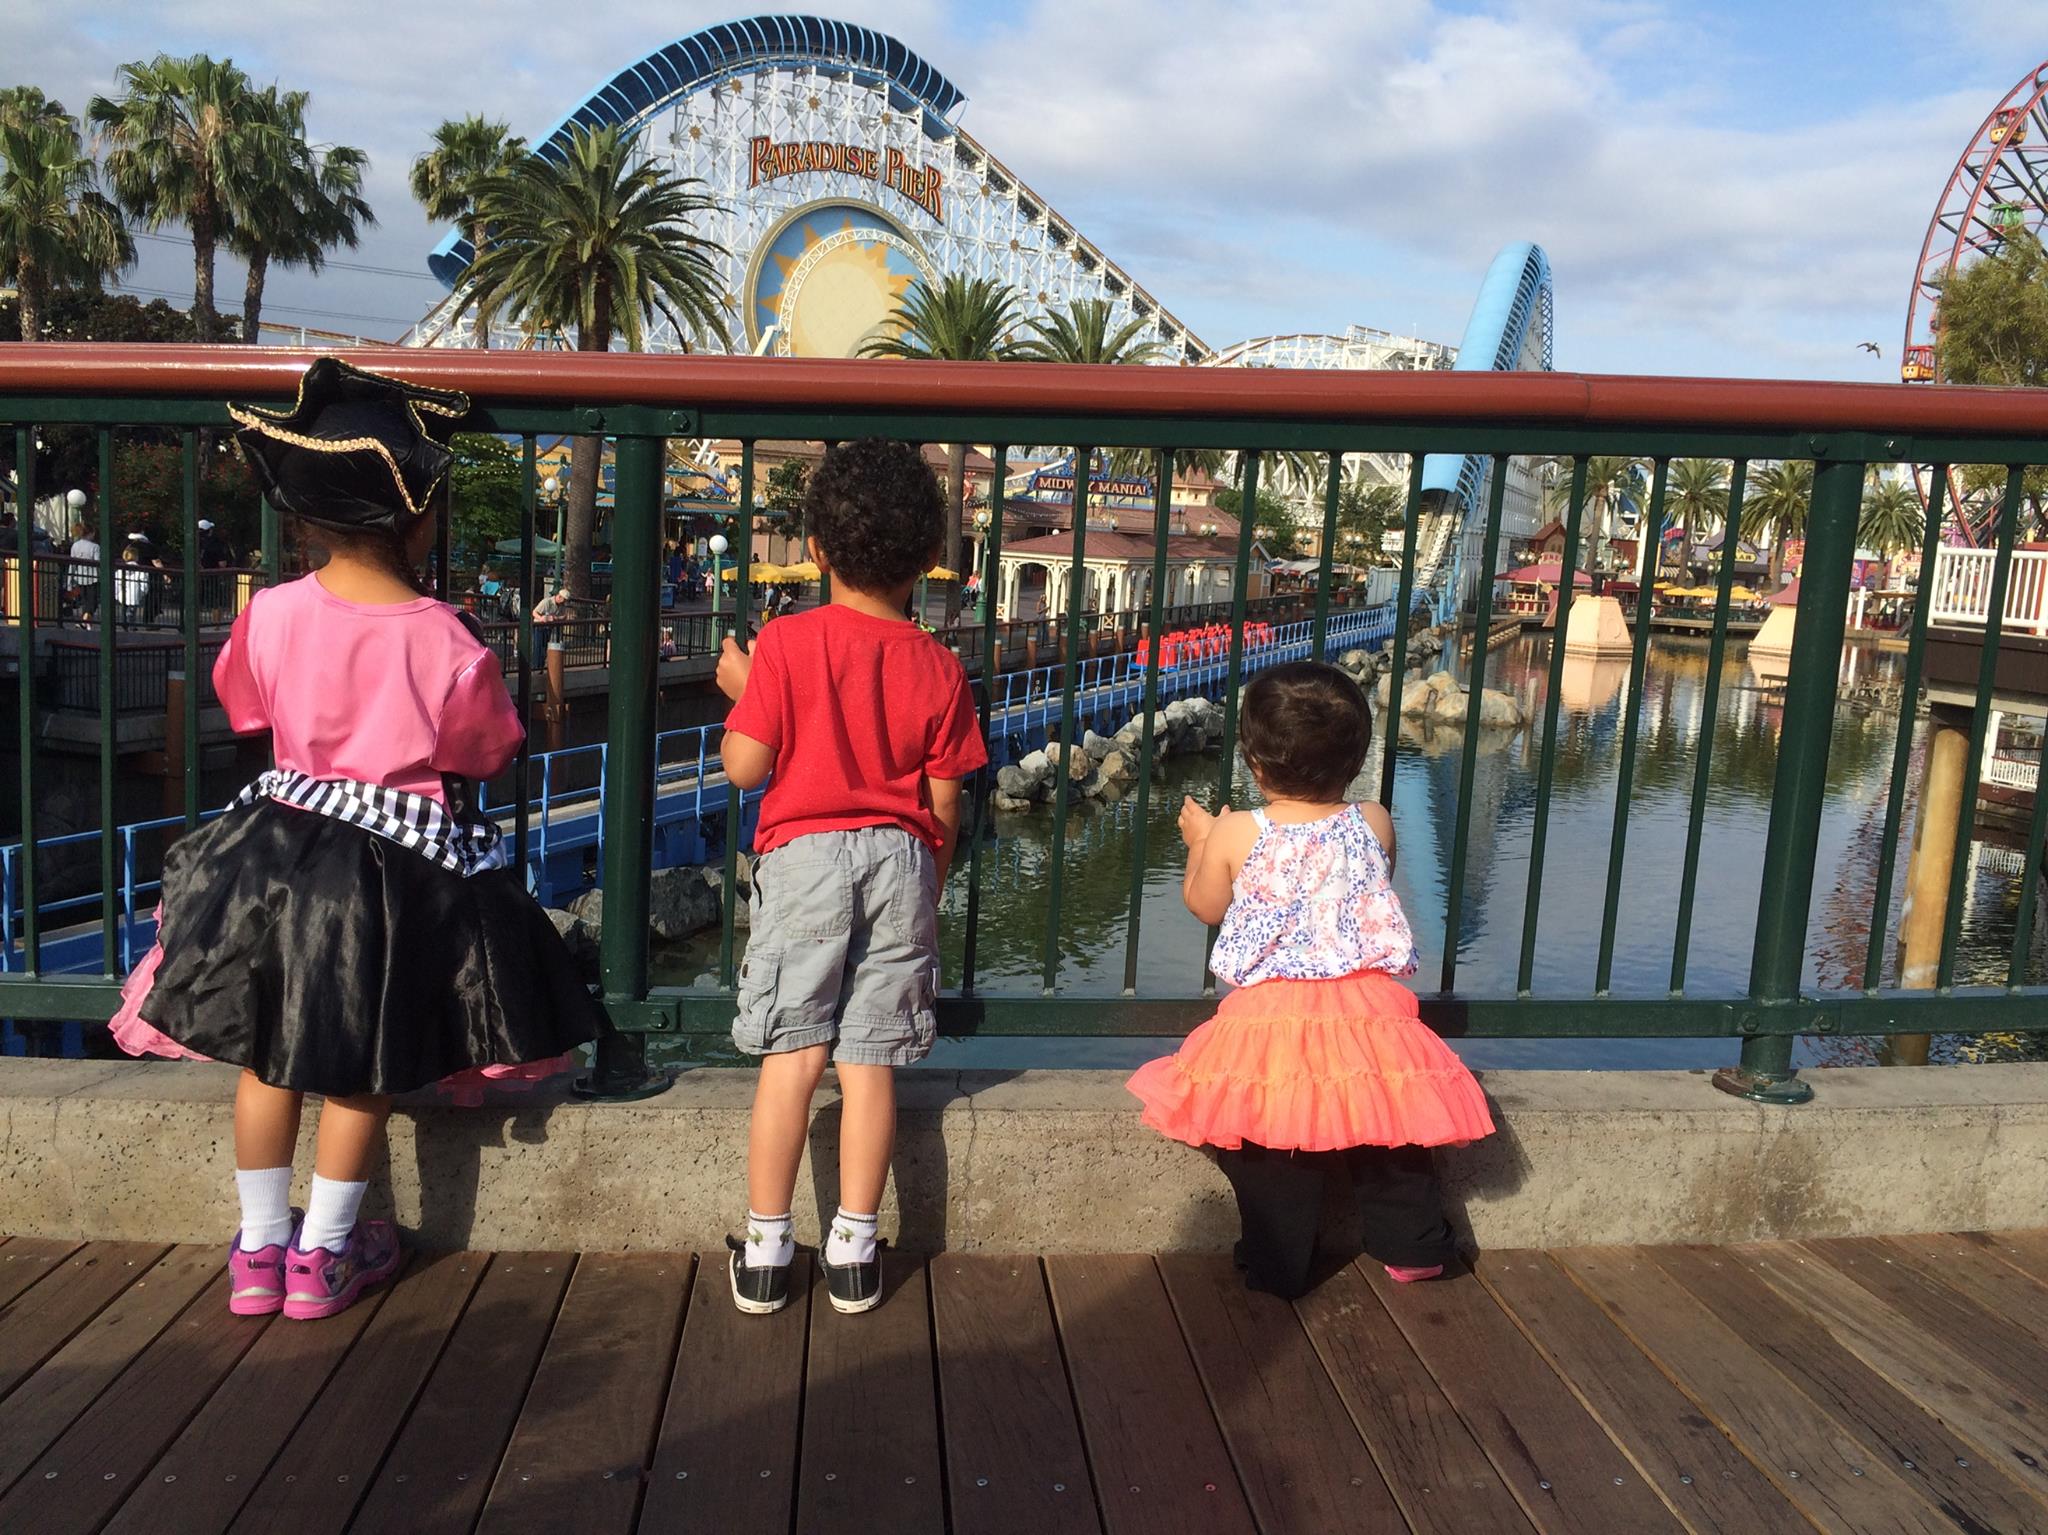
(698,381)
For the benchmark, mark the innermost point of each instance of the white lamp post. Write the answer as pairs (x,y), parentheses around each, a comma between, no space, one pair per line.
(718,548)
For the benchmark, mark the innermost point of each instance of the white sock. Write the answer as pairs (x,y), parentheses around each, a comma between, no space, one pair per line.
(852,1239)
(330,1214)
(769,1243)
(266,1194)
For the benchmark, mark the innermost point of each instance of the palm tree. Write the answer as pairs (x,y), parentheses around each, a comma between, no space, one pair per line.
(1697,494)
(56,227)
(306,202)
(189,143)
(963,319)
(1081,333)
(467,151)
(23,104)
(1891,520)
(1612,481)
(600,241)
(1777,504)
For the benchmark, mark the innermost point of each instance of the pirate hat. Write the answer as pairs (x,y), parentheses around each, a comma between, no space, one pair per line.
(354,449)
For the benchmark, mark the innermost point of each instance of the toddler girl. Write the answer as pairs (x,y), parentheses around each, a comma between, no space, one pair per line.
(1316,1065)
(348,927)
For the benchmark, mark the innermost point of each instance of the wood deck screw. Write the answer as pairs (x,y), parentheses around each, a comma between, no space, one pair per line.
(1963,1463)
(981,1481)
(1059,1486)
(1619,1482)
(1793,1474)
(1906,1463)
(1855,1470)
(1544,1485)
(682,1476)
(1685,1481)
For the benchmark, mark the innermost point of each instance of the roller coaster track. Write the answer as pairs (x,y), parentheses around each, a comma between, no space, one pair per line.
(1510,330)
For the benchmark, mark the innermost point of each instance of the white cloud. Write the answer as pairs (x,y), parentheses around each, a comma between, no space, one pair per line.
(1258,168)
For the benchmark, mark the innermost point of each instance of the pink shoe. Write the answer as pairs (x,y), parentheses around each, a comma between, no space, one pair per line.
(324,1282)
(256,1279)
(1410,1276)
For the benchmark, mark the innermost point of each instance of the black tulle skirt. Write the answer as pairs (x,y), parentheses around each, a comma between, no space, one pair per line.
(328,959)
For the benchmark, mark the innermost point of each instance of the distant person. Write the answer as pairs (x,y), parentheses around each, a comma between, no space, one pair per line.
(214,551)
(82,586)
(348,926)
(1316,1066)
(869,730)
(551,610)
(135,580)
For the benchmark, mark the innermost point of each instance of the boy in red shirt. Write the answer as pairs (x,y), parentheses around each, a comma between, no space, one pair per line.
(866,724)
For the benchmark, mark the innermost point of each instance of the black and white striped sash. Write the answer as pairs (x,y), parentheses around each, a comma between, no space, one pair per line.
(411,820)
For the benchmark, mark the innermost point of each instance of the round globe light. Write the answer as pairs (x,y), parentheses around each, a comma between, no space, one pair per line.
(718,543)
(551,485)
(75,499)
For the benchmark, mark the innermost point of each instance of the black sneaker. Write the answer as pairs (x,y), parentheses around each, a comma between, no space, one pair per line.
(855,1287)
(757,1290)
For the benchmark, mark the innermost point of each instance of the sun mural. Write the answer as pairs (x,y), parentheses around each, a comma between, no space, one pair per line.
(830,278)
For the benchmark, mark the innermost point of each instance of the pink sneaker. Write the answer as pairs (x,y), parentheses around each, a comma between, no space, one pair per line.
(1410,1276)
(256,1279)
(324,1282)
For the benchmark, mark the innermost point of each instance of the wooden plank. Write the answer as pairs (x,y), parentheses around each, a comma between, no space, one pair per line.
(1569,1477)
(1012,1435)
(24,1261)
(43,1319)
(1161,1466)
(1304,1468)
(1716,1489)
(325,1467)
(81,1479)
(1438,1475)
(218,1461)
(72,1378)
(726,1457)
(438,1473)
(1817,1464)
(2026,1251)
(2010,1426)
(584,1437)
(871,1433)
(1989,1342)
(1980,1277)
(1951,1473)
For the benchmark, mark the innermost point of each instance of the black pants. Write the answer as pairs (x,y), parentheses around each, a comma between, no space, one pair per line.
(1280,1202)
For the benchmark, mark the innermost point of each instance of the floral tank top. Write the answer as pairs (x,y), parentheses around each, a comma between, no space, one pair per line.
(1313,902)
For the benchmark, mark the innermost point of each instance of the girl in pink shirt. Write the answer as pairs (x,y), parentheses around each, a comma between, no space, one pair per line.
(349,926)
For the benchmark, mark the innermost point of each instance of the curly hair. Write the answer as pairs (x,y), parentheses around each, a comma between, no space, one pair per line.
(875,508)
(1305,730)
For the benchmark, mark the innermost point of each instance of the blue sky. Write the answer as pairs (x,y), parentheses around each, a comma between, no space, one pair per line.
(1729,188)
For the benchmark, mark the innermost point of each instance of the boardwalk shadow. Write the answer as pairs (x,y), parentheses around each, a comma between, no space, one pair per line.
(446,1149)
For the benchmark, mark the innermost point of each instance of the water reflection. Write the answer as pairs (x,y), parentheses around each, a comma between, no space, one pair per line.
(1102,842)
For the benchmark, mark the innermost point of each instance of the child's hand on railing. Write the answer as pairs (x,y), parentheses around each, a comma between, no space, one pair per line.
(734,665)
(1195,823)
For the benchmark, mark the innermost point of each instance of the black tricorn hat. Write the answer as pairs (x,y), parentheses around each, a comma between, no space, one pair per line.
(355,449)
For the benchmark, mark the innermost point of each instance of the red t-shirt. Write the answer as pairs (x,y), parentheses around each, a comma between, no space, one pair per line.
(859,712)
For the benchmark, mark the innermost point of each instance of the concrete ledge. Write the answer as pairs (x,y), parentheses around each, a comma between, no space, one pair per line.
(1053,1161)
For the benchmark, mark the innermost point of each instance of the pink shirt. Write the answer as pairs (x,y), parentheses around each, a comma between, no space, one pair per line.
(394,696)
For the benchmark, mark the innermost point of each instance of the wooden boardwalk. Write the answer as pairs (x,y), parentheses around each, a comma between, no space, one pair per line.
(1861,1386)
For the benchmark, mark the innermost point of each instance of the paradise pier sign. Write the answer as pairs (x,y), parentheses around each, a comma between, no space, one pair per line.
(770,161)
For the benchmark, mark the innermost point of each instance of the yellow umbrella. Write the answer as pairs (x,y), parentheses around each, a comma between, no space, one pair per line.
(940,573)
(760,570)
(1742,594)
(803,570)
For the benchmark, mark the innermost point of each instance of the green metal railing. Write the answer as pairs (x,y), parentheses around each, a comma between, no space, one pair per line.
(640,403)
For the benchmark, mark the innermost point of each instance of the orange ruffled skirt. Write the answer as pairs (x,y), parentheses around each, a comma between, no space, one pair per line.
(1314,1066)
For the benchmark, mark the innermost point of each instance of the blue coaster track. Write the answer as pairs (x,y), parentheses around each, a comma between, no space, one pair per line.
(1510,330)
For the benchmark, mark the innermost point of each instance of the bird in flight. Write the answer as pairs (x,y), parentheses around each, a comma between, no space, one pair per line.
(1870,347)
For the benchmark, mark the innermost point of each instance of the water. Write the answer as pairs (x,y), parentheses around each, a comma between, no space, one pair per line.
(1102,839)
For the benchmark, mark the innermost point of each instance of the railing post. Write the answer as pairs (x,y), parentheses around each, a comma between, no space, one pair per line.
(620,1069)
(1800,788)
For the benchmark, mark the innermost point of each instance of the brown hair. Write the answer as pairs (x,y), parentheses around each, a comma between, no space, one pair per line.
(1305,731)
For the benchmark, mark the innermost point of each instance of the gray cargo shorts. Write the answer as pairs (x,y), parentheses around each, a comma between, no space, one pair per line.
(843,948)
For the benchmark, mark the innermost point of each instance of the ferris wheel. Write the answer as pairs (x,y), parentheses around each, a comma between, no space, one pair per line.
(1999,186)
